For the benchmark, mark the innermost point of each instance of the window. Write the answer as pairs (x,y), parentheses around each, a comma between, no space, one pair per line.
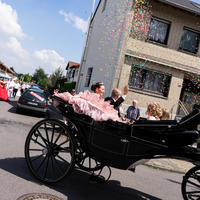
(73,73)
(88,76)
(104,5)
(189,41)
(149,81)
(159,31)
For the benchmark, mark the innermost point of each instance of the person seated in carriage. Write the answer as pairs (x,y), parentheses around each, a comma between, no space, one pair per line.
(93,104)
(116,98)
(154,111)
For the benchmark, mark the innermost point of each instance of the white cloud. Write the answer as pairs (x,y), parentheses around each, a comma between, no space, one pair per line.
(49,60)
(16,48)
(12,52)
(8,21)
(78,22)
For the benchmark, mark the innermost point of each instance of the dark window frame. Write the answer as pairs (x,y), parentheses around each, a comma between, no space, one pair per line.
(88,76)
(198,40)
(143,82)
(167,34)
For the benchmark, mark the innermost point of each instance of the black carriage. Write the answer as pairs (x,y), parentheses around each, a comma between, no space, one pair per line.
(53,147)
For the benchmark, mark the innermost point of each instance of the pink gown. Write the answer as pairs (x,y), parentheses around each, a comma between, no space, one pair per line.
(3,91)
(91,104)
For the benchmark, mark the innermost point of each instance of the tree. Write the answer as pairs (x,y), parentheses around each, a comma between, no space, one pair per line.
(43,83)
(12,68)
(20,77)
(27,78)
(40,78)
(39,75)
(56,77)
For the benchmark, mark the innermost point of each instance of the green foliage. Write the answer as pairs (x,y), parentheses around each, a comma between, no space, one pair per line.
(20,77)
(12,68)
(27,78)
(55,78)
(43,83)
(68,86)
(39,75)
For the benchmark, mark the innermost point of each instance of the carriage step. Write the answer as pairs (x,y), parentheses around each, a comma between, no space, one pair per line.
(96,179)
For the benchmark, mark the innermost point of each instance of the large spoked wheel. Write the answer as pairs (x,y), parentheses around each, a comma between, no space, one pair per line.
(191,184)
(49,151)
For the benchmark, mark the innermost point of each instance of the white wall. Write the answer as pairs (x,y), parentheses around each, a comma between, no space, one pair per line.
(104,44)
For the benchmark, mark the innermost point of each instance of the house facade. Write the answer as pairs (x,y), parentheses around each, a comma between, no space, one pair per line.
(5,72)
(152,46)
(72,71)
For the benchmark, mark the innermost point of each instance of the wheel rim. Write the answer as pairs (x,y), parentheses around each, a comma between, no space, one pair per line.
(49,151)
(191,184)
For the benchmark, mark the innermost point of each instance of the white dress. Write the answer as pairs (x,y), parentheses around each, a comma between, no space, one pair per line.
(18,94)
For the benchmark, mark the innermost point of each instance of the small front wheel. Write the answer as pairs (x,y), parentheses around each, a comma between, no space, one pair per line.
(191,184)
(49,151)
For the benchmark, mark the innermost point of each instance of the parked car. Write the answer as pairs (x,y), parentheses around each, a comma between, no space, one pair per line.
(33,99)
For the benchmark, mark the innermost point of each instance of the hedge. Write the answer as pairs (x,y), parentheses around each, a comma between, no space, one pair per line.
(68,86)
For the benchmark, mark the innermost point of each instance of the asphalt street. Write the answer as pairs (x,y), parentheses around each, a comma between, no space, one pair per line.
(16,180)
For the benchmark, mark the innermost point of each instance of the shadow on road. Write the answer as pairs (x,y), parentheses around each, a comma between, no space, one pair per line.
(76,186)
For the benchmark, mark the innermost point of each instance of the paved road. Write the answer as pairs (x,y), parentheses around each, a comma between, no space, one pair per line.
(146,183)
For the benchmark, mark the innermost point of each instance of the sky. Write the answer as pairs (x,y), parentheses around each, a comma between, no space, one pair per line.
(43,33)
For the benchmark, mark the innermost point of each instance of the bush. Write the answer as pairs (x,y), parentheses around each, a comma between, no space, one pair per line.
(68,86)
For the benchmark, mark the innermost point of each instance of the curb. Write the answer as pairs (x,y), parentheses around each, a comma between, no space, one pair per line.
(170,165)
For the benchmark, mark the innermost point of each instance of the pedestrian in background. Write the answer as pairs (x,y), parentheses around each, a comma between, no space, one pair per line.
(133,112)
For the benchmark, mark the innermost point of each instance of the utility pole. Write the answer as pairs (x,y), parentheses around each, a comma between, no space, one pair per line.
(85,45)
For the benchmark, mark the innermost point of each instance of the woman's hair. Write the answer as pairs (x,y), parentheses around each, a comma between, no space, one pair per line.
(158,110)
(165,114)
(155,110)
(151,109)
(96,85)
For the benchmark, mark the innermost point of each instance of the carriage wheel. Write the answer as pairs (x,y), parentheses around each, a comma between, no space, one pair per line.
(83,160)
(191,184)
(49,151)
(86,163)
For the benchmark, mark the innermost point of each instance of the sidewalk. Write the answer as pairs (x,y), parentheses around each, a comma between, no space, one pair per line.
(173,165)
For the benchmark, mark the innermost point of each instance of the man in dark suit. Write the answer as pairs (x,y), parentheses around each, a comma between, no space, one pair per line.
(116,98)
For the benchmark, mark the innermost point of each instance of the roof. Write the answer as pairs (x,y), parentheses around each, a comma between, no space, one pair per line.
(7,69)
(186,5)
(72,64)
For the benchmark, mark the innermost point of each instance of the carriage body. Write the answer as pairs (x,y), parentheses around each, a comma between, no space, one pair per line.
(120,145)
(53,147)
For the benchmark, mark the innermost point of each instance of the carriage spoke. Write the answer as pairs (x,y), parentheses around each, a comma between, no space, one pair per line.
(192,183)
(35,149)
(45,173)
(59,168)
(52,136)
(62,159)
(37,142)
(43,139)
(64,142)
(41,163)
(64,150)
(193,192)
(45,126)
(57,138)
(89,162)
(52,165)
(37,157)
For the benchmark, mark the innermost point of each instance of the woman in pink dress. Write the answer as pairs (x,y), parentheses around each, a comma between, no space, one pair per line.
(92,104)
(3,91)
